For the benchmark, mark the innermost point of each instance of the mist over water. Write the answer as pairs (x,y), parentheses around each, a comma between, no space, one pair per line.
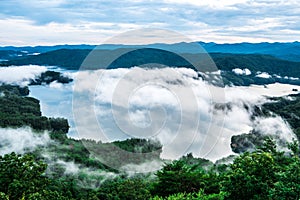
(20,75)
(234,120)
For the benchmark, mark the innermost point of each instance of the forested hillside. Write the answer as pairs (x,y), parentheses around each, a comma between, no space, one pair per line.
(64,168)
(278,70)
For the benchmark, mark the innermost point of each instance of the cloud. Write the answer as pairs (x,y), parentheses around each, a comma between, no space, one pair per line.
(86,177)
(263,75)
(272,90)
(215,4)
(20,75)
(182,111)
(70,167)
(245,71)
(291,78)
(275,126)
(21,140)
(24,140)
(146,167)
(218,21)
(56,85)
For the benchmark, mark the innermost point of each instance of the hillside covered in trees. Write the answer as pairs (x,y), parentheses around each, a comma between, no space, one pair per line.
(64,168)
(278,70)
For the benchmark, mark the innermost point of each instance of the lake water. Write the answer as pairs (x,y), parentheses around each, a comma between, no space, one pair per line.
(56,101)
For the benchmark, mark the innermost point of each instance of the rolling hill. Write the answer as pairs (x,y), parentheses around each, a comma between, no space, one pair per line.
(277,70)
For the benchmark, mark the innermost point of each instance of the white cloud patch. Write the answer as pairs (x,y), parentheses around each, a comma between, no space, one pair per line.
(293,78)
(146,167)
(21,140)
(20,75)
(272,90)
(56,85)
(259,21)
(70,167)
(172,105)
(86,177)
(239,71)
(24,140)
(275,126)
(263,75)
(276,76)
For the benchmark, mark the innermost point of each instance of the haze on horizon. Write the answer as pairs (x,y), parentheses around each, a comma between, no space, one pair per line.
(51,22)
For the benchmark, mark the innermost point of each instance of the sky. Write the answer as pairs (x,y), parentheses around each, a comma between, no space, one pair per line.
(49,22)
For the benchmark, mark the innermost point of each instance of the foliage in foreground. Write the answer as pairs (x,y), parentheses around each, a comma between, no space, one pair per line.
(262,174)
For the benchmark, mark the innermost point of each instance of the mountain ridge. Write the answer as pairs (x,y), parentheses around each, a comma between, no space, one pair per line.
(283,50)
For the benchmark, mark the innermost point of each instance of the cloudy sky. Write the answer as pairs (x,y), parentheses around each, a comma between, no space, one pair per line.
(47,22)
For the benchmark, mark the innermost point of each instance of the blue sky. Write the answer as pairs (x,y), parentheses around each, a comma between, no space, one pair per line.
(47,22)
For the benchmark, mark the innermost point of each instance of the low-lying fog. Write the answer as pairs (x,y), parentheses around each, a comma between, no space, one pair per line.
(174,106)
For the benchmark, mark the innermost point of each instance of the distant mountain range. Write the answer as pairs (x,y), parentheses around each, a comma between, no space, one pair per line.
(288,51)
(266,62)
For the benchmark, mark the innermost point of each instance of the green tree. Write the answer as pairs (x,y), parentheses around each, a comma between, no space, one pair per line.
(192,196)
(288,177)
(264,174)
(124,188)
(179,177)
(21,175)
(251,176)
(46,195)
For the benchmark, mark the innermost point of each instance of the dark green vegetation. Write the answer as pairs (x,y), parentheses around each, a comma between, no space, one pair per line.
(10,54)
(246,142)
(73,59)
(256,63)
(66,169)
(70,59)
(17,110)
(49,77)
(265,173)
(21,175)
(288,108)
